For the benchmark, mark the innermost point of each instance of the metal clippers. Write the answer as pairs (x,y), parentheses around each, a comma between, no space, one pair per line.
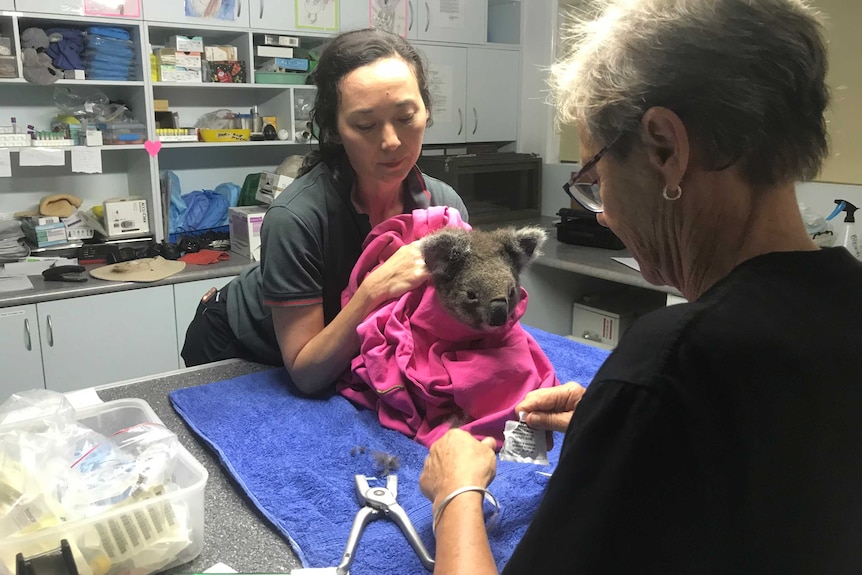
(377,503)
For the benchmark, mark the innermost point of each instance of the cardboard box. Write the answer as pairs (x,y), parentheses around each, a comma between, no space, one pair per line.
(160,105)
(228,72)
(46,234)
(186,43)
(270,186)
(289,64)
(245,223)
(276,40)
(274,52)
(220,53)
(171,57)
(125,217)
(180,74)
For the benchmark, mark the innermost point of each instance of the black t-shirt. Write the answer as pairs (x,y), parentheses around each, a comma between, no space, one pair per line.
(311,238)
(721,436)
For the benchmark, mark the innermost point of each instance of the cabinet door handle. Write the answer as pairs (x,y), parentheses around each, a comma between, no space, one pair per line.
(28,342)
(428,19)
(238,8)
(476,122)
(460,121)
(50,332)
(261,9)
(410,10)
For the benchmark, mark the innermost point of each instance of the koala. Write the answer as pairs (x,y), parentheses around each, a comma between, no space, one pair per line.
(476,274)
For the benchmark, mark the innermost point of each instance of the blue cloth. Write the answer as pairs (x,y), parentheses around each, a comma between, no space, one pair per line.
(296,457)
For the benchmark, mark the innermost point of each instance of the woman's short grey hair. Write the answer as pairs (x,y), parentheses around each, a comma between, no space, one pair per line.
(747,77)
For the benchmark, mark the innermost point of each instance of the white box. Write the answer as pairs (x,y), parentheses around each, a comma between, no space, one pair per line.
(126,217)
(182,506)
(274,52)
(169,73)
(245,223)
(605,317)
(275,40)
(270,186)
(186,43)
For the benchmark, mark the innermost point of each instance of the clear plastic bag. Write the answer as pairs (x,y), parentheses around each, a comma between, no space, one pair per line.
(222,119)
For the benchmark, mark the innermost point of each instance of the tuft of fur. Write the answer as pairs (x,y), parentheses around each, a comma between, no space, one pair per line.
(476,274)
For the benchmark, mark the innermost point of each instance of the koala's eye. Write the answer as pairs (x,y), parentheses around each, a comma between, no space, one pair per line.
(472,296)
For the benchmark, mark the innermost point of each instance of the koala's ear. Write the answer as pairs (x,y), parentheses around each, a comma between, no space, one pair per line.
(525,244)
(445,249)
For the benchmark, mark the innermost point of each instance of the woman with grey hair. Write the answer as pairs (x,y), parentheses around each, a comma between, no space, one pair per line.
(723,435)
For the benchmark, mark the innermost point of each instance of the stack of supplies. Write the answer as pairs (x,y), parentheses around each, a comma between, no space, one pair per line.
(180,60)
(109,54)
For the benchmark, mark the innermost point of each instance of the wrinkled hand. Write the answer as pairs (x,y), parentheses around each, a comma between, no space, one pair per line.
(456,460)
(403,271)
(551,408)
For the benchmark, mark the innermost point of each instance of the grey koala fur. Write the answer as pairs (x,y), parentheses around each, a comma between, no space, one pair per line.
(476,274)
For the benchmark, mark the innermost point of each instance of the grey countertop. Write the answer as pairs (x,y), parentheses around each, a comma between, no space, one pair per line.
(48,291)
(593,262)
(235,533)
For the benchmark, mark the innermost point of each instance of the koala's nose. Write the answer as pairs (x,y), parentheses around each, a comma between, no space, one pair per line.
(499,312)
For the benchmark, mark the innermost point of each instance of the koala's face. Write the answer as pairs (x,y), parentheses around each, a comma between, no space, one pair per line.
(477,274)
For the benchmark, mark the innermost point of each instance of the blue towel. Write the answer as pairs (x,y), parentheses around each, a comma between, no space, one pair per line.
(296,457)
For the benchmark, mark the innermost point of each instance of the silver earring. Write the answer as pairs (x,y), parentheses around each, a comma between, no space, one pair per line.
(669,198)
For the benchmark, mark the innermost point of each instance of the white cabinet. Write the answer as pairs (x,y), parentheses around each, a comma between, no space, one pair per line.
(187,296)
(474,94)
(20,352)
(105,338)
(492,95)
(447,80)
(232,14)
(462,21)
(273,15)
(401,19)
(109,8)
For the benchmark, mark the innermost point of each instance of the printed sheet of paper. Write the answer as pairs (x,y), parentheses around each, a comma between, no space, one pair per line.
(449,14)
(630,262)
(440,85)
(42,157)
(87,160)
(5,164)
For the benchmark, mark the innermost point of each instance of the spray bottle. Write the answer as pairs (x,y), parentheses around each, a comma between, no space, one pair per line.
(848,237)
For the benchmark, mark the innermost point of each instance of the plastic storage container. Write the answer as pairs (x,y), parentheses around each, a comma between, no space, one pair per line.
(122,134)
(167,530)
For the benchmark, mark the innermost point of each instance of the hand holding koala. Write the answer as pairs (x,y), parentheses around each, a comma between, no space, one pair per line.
(402,272)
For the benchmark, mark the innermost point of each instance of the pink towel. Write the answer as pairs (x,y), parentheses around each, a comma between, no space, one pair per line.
(422,370)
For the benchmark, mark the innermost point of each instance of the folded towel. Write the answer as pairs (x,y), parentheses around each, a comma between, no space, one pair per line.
(296,457)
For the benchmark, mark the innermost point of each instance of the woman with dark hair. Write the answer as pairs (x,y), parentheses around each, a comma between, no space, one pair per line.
(371,110)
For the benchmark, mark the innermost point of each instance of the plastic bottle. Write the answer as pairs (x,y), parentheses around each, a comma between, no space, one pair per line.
(848,236)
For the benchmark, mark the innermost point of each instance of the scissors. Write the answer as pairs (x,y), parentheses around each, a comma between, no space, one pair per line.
(377,503)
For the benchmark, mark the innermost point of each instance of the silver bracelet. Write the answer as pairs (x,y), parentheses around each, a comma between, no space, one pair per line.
(456,493)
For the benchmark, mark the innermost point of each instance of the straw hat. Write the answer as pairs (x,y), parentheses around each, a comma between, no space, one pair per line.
(142,270)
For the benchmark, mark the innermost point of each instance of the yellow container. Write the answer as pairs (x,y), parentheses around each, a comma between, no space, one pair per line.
(231,135)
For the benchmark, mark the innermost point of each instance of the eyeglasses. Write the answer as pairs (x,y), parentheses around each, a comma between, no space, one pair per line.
(584,191)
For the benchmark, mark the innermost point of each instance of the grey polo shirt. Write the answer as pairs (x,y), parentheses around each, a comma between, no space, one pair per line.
(311,238)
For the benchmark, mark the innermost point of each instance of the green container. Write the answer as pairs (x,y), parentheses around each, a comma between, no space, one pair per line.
(280,78)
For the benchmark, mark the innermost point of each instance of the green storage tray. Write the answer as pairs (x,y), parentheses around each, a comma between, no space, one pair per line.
(280,78)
